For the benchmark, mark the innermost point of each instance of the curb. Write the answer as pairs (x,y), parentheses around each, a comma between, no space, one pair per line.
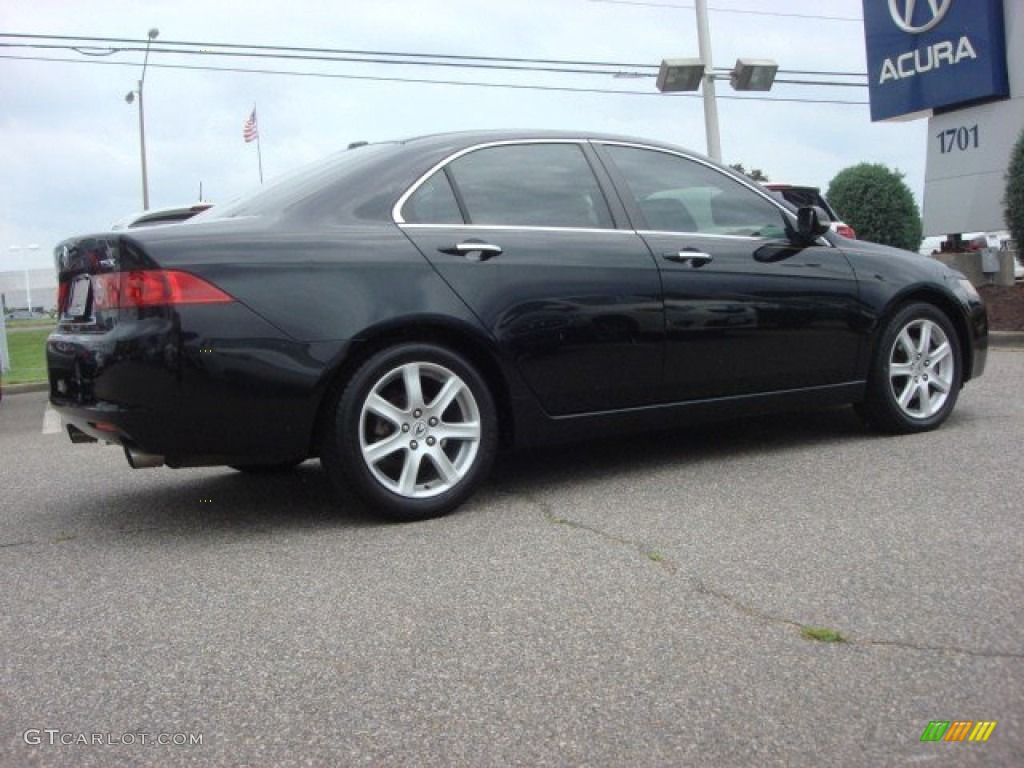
(17,389)
(1005,339)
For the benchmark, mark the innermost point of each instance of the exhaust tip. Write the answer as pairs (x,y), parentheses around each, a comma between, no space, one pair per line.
(140,460)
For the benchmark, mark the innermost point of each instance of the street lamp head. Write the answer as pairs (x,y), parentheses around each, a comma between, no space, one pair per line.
(129,97)
(680,75)
(153,33)
(753,74)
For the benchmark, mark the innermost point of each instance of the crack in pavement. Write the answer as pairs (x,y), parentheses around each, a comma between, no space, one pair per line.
(702,588)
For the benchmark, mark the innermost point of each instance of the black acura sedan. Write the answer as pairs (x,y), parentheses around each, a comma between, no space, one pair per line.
(401,310)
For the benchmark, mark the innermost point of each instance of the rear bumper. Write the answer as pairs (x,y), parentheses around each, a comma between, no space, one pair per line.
(197,385)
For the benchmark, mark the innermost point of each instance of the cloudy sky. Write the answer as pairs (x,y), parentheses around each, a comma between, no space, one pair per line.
(69,144)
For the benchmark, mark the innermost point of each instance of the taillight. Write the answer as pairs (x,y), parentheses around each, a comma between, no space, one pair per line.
(63,293)
(846,231)
(153,288)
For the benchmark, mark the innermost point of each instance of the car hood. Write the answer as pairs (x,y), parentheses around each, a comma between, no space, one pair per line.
(864,251)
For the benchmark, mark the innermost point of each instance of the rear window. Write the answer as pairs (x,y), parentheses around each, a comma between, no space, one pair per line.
(803,196)
(303,182)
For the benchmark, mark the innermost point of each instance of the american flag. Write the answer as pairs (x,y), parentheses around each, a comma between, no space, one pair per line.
(249,130)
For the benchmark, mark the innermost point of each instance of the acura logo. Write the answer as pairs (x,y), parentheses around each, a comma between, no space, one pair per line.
(902,12)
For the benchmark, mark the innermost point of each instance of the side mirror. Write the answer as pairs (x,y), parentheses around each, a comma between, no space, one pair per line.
(811,222)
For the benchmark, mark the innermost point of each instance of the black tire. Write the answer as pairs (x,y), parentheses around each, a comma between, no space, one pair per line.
(916,374)
(413,433)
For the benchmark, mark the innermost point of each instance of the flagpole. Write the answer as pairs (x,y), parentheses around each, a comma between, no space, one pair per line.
(259,155)
(259,152)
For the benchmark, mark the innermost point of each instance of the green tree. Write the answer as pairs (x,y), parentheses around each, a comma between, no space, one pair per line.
(1014,200)
(876,202)
(756,174)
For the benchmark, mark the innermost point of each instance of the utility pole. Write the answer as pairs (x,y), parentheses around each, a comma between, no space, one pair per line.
(710,103)
(130,97)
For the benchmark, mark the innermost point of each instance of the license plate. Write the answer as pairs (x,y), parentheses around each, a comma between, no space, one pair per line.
(79,296)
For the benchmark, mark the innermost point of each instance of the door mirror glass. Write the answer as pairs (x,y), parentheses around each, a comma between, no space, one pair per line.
(811,222)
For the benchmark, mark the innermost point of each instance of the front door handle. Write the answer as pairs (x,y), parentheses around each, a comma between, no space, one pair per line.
(474,250)
(691,258)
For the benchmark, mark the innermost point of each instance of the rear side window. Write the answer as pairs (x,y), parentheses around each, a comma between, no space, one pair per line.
(676,194)
(530,185)
(433,203)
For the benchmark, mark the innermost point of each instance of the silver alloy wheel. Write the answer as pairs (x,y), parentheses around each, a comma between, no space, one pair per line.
(419,430)
(922,369)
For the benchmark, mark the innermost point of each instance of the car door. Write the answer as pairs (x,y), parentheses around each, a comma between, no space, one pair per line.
(524,234)
(747,311)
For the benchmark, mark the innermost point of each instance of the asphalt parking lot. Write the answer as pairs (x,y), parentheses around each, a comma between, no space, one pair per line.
(633,602)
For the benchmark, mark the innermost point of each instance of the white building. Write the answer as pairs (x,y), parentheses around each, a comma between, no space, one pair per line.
(42,285)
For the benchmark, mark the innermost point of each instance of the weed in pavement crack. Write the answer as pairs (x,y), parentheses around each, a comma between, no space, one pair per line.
(666,564)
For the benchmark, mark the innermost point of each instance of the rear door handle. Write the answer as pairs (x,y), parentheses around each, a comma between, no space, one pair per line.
(474,250)
(690,258)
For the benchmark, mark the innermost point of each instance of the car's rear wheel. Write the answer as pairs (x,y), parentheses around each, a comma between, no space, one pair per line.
(414,432)
(917,375)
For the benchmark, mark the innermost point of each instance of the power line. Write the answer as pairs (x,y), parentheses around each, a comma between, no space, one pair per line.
(716,9)
(250,70)
(187,47)
(427,81)
(157,49)
(819,72)
(208,46)
(836,83)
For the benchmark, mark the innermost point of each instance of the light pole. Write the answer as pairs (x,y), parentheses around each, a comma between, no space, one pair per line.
(130,97)
(28,289)
(710,103)
(689,74)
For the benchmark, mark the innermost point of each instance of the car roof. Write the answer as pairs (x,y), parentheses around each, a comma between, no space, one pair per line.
(485,135)
(465,139)
(386,168)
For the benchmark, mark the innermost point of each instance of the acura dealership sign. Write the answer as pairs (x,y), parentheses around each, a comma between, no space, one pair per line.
(902,12)
(961,64)
(969,145)
(925,55)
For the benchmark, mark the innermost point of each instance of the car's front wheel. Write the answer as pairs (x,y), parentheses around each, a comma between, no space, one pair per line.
(414,432)
(916,375)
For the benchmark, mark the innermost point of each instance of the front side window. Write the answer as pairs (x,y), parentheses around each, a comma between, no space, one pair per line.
(676,194)
(530,185)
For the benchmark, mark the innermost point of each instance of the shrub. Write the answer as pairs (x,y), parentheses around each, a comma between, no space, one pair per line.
(1014,200)
(878,204)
